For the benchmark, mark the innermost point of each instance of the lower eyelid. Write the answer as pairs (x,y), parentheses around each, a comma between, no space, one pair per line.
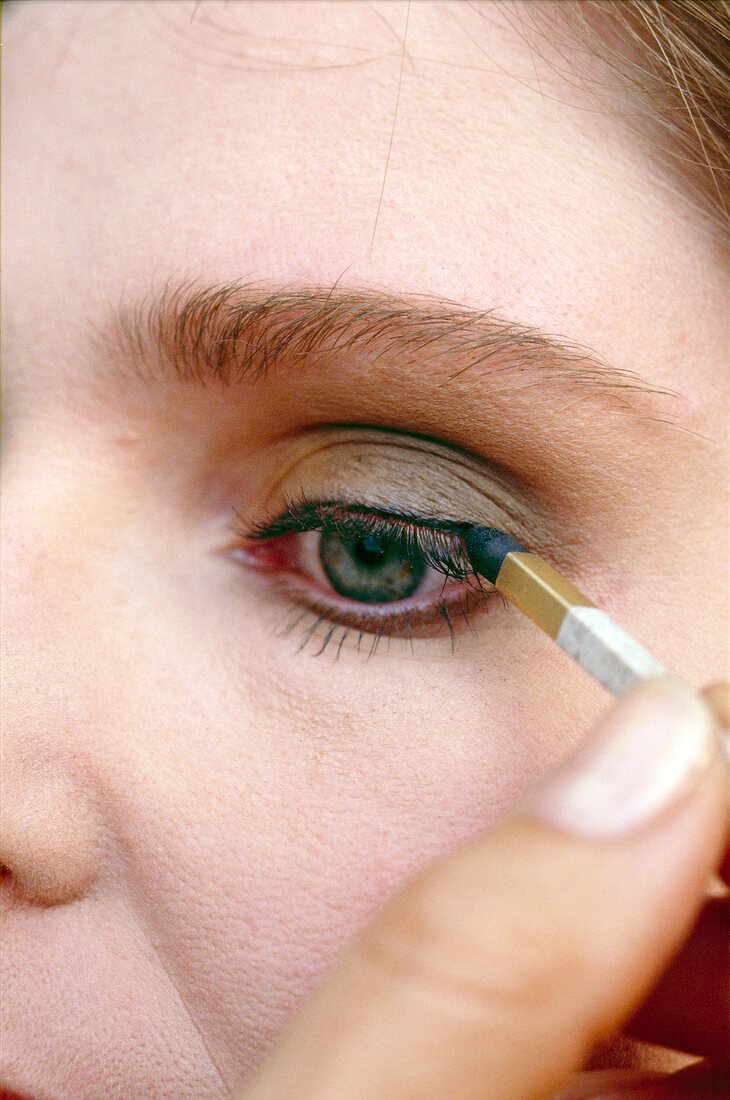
(440,618)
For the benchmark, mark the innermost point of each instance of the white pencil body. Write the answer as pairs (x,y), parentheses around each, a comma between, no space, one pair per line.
(603,649)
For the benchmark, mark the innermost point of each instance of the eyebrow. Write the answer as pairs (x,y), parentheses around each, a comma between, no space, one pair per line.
(234,333)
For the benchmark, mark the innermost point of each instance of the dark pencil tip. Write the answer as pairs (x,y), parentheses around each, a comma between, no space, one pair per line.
(486,548)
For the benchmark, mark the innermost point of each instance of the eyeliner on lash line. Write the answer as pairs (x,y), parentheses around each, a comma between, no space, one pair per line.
(295,515)
(439,541)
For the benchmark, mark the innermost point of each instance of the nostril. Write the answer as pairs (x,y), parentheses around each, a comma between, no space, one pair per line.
(49,842)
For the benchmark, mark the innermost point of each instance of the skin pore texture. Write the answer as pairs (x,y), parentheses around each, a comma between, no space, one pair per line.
(198,814)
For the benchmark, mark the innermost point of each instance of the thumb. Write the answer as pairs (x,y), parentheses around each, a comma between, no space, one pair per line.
(495,972)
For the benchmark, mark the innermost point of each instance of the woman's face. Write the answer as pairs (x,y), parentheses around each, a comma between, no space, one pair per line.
(212,776)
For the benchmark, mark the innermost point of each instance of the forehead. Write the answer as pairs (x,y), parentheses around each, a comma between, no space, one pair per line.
(422,147)
(233,132)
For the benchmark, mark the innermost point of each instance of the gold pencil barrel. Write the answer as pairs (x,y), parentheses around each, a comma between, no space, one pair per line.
(531,584)
(581,629)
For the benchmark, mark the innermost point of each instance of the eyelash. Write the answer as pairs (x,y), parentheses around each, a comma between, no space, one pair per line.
(264,547)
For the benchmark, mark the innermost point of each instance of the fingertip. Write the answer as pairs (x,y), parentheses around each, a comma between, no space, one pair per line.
(717,698)
(648,751)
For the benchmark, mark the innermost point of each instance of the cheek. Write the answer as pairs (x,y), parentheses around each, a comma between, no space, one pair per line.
(278,798)
(257,803)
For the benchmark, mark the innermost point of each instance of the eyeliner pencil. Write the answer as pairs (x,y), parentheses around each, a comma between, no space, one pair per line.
(581,629)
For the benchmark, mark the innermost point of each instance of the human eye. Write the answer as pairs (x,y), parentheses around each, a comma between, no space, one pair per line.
(351,570)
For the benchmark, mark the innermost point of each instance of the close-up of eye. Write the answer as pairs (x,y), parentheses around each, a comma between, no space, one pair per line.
(372,572)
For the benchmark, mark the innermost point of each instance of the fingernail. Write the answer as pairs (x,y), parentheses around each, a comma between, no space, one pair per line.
(646,753)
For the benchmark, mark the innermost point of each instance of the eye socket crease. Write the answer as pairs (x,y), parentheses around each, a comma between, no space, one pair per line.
(235,333)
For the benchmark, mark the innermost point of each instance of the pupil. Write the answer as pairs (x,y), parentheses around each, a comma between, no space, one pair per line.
(372,569)
(369,551)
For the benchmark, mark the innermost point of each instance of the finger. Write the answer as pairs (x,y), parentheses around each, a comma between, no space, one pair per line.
(689,1008)
(494,974)
(698,1082)
(606,1083)
(717,697)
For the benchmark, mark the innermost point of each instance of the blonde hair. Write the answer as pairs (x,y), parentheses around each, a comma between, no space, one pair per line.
(673,59)
(683,72)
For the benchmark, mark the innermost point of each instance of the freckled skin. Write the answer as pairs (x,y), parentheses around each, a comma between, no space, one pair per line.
(197,818)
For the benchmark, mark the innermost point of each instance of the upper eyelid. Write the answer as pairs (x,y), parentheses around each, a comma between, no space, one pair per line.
(459,480)
(295,512)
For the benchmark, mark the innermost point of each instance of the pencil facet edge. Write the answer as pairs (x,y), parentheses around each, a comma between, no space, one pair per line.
(603,649)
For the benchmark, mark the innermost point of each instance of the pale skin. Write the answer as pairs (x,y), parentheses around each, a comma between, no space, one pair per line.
(197,817)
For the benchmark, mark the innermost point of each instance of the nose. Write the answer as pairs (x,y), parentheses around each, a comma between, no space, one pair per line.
(49,821)
(48,836)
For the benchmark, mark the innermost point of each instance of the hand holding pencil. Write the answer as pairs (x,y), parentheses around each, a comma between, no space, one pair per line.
(494,974)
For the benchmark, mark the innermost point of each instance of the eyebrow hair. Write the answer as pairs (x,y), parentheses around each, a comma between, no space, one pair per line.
(232,333)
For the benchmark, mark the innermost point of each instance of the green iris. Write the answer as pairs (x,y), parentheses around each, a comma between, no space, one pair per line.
(373,569)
